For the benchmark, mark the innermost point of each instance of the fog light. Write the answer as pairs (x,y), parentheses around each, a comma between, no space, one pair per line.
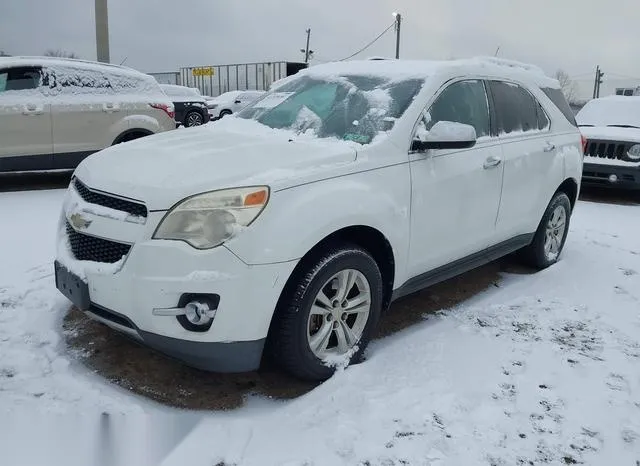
(199,313)
(195,312)
(613,179)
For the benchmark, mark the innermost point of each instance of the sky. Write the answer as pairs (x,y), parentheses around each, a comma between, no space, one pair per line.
(162,35)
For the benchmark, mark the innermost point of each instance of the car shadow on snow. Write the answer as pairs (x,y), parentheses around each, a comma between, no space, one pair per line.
(150,374)
(610,196)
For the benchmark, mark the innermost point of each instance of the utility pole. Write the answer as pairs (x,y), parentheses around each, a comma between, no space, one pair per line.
(307,53)
(102,31)
(398,17)
(597,82)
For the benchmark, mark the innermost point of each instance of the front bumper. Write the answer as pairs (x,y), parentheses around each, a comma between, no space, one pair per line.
(156,274)
(626,177)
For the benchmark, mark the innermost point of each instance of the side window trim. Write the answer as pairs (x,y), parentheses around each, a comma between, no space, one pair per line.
(536,103)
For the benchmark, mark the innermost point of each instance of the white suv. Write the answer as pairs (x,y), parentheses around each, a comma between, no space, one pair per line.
(54,112)
(292,225)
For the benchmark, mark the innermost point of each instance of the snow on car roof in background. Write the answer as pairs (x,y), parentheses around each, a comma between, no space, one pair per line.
(406,69)
(74,62)
(613,110)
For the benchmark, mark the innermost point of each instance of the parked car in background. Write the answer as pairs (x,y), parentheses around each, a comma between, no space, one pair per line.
(231,102)
(190,105)
(54,112)
(291,227)
(612,153)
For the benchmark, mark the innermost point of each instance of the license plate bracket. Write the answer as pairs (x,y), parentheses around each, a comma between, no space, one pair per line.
(72,287)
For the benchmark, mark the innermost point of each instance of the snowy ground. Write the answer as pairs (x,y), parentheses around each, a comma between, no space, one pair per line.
(544,369)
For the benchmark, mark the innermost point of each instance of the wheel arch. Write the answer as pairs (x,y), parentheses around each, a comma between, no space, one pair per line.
(570,188)
(130,134)
(368,238)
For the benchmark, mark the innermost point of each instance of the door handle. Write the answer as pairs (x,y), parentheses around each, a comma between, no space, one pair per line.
(33,109)
(110,107)
(549,147)
(492,162)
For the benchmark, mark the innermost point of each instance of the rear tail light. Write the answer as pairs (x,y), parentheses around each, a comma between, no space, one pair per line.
(168,109)
(584,144)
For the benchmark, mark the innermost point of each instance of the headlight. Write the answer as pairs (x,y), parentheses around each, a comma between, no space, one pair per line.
(634,152)
(207,220)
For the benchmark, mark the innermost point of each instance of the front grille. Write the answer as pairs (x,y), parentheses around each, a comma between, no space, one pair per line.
(608,149)
(116,203)
(90,248)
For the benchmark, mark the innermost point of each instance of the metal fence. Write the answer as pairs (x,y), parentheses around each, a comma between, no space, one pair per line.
(170,77)
(217,79)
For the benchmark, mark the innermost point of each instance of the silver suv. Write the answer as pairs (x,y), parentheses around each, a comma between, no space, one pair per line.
(55,112)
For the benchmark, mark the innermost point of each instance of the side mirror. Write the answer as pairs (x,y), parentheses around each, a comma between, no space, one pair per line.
(445,135)
(238,101)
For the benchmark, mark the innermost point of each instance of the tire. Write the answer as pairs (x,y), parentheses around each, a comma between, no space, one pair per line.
(536,254)
(193,118)
(225,113)
(294,325)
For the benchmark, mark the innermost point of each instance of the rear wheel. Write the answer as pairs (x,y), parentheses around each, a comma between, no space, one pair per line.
(225,113)
(549,240)
(328,313)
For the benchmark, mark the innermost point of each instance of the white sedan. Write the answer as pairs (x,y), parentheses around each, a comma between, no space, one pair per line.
(231,102)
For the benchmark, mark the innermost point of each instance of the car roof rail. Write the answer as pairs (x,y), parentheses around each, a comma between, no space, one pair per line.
(511,64)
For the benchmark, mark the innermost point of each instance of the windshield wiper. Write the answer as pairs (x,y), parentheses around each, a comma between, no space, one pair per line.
(623,126)
(583,126)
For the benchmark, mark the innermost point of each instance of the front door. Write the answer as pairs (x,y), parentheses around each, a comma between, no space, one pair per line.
(455,193)
(25,121)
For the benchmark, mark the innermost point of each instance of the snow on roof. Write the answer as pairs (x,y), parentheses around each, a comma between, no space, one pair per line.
(612,110)
(74,62)
(406,69)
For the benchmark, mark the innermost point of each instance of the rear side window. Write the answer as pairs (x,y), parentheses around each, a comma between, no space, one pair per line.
(557,97)
(20,79)
(516,109)
(543,119)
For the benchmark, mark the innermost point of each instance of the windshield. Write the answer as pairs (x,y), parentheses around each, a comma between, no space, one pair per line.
(353,108)
(618,111)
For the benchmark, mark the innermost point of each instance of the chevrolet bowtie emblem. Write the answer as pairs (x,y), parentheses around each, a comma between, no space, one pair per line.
(79,222)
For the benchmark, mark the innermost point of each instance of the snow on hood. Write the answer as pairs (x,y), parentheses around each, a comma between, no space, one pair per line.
(611,133)
(165,168)
(608,111)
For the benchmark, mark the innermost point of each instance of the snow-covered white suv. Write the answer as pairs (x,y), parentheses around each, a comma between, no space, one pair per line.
(54,112)
(293,225)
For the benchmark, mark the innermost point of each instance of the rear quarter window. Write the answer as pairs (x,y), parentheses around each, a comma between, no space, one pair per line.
(557,97)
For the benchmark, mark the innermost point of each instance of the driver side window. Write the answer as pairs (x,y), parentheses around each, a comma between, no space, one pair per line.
(461,102)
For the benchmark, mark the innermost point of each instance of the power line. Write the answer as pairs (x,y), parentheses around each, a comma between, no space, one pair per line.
(370,43)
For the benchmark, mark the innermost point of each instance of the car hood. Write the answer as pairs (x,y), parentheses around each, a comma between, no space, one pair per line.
(163,169)
(611,133)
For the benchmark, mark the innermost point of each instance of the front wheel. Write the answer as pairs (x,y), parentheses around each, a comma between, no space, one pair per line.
(549,240)
(328,313)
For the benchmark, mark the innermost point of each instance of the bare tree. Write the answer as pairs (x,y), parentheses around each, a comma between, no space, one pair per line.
(60,53)
(4,54)
(567,85)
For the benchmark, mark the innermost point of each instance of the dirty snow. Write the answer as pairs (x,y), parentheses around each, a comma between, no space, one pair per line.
(539,369)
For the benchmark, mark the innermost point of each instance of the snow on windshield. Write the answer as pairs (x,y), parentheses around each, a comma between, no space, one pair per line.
(351,107)
(610,111)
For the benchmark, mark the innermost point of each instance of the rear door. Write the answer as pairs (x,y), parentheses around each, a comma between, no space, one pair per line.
(83,111)
(533,168)
(25,120)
